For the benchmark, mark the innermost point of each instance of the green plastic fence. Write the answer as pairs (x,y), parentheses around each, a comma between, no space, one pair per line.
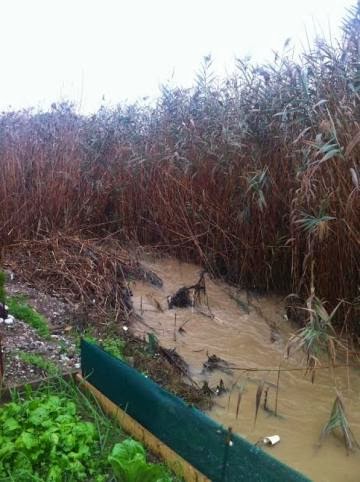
(197,438)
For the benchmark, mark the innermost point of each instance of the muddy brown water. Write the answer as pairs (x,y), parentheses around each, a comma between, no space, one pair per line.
(252,333)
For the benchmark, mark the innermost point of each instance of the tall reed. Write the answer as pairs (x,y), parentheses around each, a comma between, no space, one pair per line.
(256,176)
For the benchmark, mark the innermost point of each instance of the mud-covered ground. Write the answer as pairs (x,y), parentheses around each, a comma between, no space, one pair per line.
(67,323)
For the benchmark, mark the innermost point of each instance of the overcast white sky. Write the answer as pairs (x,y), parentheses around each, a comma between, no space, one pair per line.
(83,50)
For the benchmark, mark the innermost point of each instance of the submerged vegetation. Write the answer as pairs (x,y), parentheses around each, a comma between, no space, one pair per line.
(255,176)
(338,421)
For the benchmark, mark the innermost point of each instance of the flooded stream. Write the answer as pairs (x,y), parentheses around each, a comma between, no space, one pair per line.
(252,333)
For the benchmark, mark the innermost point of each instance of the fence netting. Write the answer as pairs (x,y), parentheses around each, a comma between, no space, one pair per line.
(189,432)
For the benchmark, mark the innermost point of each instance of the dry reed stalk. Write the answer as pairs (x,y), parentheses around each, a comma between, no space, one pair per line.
(90,271)
(259,393)
(277,390)
(238,404)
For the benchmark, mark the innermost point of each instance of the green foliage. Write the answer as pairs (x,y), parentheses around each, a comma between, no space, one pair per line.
(58,433)
(115,346)
(40,362)
(128,461)
(316,225)
(257,183)
(43,438)
(338,421)
(2,287)
(90,338)
(19,308)
(317,336)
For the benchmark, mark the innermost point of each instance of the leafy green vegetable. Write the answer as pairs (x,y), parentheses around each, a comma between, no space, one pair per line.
(128,461)
(45,439)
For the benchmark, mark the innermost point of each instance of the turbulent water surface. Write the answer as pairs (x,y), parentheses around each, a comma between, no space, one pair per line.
(252,333)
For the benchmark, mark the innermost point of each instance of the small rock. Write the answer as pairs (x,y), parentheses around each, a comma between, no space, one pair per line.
(77,365)
(9,321)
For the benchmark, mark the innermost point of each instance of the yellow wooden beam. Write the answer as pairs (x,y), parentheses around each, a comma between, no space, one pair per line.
(176,463)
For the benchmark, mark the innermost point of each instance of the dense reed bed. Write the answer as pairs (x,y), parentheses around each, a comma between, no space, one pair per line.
(256,176)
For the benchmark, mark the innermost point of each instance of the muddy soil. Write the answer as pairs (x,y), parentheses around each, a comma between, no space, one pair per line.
(67,322)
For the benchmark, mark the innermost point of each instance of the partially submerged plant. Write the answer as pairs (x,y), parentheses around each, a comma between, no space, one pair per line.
(317,336)
(152,344)
(338,422)
(259,393)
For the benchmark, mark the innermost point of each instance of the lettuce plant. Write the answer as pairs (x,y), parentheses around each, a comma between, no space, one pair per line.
(128,461)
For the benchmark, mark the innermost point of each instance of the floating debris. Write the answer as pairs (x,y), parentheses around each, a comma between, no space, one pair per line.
(188,296)
(206,390)
(215,363)
(220,389)
(175,359)
(153,279)
(181,299)
(271,440)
